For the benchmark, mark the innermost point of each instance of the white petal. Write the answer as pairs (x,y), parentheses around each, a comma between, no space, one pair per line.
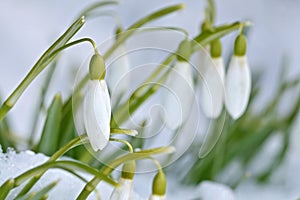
(124,191)
(179,94)
(238,86)
(97,114)
(157,197)
(212,88)
(118,74)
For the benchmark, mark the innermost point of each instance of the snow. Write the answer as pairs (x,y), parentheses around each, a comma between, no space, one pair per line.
(13,164)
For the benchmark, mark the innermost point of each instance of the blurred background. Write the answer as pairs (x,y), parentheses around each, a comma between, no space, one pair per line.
(29,27)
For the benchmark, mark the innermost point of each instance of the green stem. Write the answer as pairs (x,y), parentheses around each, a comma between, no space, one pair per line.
(124,142)
(62,164)
(89,9)
(41,64)
(73,143)
(110,167)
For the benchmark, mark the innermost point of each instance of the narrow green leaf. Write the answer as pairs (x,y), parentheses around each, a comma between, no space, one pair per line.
(41,103)
(49,141)
(40,66)
(86,12)
(62,164)
(133,28)
(40,194)
(5,188)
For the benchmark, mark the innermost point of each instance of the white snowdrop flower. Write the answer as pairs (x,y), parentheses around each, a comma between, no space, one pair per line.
(179,95)
(212,83)
(125,189)
(118,74)
(97,108)
(157,197)
(238,80)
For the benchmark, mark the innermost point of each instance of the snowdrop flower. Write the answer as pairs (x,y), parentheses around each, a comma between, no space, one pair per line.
(97,108)
(125,190)
(238,80)
(212,84)
(159,186)
(179,97)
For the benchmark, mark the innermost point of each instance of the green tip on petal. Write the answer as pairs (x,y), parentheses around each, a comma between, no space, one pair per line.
(159,185)
(216,49)
(240,45)
(184,51)
(97,67)
(128,170)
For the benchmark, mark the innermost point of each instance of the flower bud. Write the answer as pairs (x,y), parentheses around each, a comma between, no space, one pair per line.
(216,49)
(184,51)
(240,45)
(159,184)
(128,170)
(97,67)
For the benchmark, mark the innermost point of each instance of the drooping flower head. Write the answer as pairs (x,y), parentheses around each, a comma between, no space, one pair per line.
(125,190)
(212,83)
(238,80)
(159,186)
(179,84)
(97,108)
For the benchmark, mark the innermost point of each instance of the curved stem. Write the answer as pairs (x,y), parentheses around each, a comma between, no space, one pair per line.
(110,167)
(165,28)
(97,5)
(109,13)
(75,43)
(73,143)
(124,142)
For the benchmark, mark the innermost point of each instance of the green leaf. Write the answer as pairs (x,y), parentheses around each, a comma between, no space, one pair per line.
(40,194)
(62,164)
(41,64)
(49,141)
(41,103)
(5,188)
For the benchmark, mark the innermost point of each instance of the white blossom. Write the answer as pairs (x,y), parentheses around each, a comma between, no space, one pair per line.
(97,114)
(238,86)
(124,191)
(179,95)
(212,87)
